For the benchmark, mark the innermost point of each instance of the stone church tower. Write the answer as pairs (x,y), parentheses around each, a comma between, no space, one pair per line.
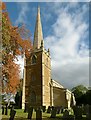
(37,72)
(38,87)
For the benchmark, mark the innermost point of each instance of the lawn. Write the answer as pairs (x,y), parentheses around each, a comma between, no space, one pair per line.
(20,115)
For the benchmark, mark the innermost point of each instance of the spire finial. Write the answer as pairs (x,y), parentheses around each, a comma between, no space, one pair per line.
(38,8)
(38,35)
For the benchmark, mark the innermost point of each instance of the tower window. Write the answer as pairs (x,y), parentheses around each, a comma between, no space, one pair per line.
(33,78)
(33,97)
(34,58)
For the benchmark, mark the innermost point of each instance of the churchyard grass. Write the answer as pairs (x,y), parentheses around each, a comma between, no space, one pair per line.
(20,115)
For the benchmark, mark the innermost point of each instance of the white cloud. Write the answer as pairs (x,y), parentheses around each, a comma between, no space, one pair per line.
(70,66)
(72,73)
(24,8)
(20,62)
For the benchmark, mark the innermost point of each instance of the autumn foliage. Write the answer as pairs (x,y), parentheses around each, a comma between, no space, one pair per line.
(13,45)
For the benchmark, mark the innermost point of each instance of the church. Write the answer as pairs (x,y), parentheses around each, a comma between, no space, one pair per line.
(39,89)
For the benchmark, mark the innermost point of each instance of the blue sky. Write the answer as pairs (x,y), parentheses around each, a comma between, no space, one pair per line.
(66,33)
(29,19)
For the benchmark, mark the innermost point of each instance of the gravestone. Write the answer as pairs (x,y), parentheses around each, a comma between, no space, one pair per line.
(52,107)
(49,109)
(2,110)
(53,113)
(84,110)
(78,112)
(12,114)
(35,108)
(88,112)
(67,116)
(62,109)
(30,112)
(11,108)
(66,113)
(38,114)
(58,110)
(6,109)
(44,108)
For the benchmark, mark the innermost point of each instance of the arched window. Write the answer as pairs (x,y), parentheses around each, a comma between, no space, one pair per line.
(34,59)
(33,97)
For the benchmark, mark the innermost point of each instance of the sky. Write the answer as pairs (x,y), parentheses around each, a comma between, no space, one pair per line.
(66,33)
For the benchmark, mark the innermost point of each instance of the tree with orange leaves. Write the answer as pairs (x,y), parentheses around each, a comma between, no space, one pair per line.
(13,45)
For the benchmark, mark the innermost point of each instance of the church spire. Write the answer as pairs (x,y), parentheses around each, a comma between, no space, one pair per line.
(38,35)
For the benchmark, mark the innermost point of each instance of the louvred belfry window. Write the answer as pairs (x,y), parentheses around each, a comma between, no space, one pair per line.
(34,59)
